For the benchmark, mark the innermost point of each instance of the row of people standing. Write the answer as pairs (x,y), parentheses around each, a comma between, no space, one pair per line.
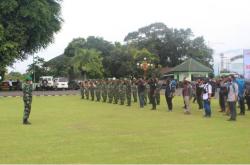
(121,91)
(231,91)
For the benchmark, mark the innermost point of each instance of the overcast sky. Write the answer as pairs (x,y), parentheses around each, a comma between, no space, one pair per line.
(225,24)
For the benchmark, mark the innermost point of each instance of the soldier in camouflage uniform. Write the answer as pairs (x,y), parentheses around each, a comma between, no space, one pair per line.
(134,91)
(92,90)
(110,91)
(104,90)
(122,92)
(27,99)
(157,91)
(98,91)
(128,92)
(82,89)
(86,86)
(115,91)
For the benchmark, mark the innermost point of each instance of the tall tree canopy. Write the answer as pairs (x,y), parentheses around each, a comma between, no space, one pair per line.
(171,45)
(88,62)
(162,46)
(26,26)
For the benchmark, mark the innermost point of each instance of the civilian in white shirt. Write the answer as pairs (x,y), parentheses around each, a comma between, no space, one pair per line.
(207,92)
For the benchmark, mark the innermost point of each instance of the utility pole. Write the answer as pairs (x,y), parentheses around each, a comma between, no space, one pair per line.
(34,74)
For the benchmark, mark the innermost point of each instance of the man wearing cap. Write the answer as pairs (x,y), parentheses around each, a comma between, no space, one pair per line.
(27,99)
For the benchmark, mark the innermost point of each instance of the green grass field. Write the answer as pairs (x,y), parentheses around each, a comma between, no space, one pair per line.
(69,130)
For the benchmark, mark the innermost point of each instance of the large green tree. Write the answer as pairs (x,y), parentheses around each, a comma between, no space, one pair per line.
(88,63)
(97,43)
(172,46)
(120,62)
(59,66)
(26,26)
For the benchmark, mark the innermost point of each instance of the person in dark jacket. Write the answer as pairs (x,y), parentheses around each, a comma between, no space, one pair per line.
(199,94)
(169,94)
(222,94)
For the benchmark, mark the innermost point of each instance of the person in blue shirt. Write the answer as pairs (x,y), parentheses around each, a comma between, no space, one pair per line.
(241,92)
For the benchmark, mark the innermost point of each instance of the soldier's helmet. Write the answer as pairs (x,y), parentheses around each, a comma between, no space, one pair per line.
(28,78)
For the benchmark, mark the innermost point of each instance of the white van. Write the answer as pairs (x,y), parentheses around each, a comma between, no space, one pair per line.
(61,83)
(46,82)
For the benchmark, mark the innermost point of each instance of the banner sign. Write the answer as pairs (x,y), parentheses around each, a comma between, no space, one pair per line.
(246,57)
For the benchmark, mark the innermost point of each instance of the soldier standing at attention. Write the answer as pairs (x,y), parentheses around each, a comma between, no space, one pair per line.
(92,90)
(134,91)
(152,91)
(82,89)
(128,92)
(116,91)
(104,90)
(122,91)
(98,91)
(110,88)
(157,91)
(27,99)
(86,86)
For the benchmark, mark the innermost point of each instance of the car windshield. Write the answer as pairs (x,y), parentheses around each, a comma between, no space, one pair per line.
(63,80)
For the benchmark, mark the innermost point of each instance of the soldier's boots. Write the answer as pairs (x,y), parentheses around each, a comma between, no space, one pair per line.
(26,122)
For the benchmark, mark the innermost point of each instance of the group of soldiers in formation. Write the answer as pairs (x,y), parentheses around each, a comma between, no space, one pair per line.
(121,91)
(231,91)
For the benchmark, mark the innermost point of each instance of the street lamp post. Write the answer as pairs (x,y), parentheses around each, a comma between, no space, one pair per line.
(144,66)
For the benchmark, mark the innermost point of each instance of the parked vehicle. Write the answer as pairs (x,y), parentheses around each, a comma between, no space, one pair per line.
(45,83)
(16,85)
(61,83)
(74,85)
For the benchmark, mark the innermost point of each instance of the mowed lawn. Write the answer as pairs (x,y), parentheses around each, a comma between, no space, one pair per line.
(66,129)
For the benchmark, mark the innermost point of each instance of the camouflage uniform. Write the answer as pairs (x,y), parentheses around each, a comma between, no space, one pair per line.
(157,93)
(86,90)
(128,92)
(104,88)
(115,92)
(122,92)
(110,91)
(27,99)
(92,91)
(82,89)
(134,91)
(98,91)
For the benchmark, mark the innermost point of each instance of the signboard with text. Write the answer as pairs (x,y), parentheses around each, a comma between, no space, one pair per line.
(246,56)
